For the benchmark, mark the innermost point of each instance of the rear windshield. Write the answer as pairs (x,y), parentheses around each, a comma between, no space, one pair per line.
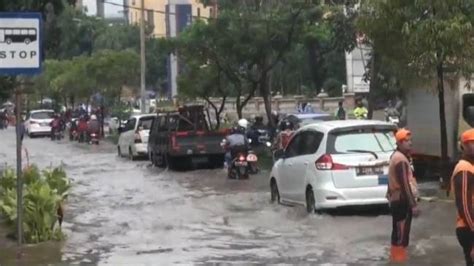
(373,141)
(145,123)
(42,115)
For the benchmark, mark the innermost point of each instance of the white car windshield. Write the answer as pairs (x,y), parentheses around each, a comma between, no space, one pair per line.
(42,115)
(382,141)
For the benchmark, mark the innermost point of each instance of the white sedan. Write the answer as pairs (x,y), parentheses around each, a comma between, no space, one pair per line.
(334,164)
(133,140)
(38,123)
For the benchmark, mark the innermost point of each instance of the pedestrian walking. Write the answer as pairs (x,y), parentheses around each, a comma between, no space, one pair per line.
(403,205)
(462,183)
(341,113)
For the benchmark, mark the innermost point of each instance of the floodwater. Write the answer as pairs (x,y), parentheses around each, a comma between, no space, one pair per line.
(123,212)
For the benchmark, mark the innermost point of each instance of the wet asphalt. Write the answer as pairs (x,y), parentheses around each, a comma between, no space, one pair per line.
(121,212)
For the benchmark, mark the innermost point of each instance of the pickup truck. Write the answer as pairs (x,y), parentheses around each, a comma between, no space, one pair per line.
(183,137)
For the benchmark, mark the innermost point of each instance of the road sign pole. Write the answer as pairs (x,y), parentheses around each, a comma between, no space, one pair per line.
(19,180)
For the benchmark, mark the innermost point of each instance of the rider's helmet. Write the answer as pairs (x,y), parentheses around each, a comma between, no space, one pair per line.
(93,117)
(287,125)
(243,123)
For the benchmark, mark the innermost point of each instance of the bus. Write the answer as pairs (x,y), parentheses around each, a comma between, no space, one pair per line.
(18,35)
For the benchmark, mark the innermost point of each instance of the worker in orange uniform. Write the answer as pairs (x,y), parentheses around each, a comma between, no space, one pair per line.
(403,205)
(462,185)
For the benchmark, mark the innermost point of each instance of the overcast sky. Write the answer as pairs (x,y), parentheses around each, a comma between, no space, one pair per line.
(110,10)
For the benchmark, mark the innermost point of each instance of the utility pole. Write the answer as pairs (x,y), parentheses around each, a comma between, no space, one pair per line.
(142,58)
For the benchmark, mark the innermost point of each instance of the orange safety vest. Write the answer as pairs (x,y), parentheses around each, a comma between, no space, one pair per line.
(394,188)
(462,165)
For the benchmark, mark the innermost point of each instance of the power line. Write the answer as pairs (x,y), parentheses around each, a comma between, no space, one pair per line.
(152,10)
(172,13)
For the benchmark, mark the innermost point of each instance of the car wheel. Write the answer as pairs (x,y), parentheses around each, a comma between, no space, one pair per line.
(310,202)
(130,154)
(275,194)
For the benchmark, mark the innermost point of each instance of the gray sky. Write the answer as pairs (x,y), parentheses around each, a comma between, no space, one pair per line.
(110,11)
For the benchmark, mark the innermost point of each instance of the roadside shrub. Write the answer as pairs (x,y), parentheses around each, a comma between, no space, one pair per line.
(44,193)
(333,87)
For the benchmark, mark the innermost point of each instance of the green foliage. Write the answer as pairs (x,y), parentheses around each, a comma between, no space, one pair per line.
(333,87)
(121,111)
(43,194)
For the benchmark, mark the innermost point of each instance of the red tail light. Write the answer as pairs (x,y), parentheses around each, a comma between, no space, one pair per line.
(174,145)
(325,162)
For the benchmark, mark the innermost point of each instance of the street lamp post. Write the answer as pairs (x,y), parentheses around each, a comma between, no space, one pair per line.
(142,57)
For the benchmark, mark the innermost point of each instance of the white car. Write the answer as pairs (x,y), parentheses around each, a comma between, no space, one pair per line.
(133,140)
(334,164)
(38,123)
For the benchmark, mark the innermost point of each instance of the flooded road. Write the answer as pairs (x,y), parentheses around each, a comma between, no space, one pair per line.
(129,213)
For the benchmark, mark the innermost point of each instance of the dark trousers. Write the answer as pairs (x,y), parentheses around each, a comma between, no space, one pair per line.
(401,223)
(466,240)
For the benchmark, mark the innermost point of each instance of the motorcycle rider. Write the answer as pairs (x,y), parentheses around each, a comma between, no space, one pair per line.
(82,128)
(391,112)
(93,127)
(55,125)
(287,130)
(238,138)
(254,133)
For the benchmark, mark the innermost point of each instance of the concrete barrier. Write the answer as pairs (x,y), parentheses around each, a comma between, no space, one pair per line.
(287,104)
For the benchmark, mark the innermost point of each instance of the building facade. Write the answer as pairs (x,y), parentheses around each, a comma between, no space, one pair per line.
(169,18)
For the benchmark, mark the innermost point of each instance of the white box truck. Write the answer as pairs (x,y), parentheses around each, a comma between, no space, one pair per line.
(423,121)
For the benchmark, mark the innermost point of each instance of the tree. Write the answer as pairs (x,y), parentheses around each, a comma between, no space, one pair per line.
(205,81)
(430,38)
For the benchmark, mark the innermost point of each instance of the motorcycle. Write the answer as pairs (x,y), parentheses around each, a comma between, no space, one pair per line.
(259,137)
(56,134)
(73,135)
(242,164)
(94,138)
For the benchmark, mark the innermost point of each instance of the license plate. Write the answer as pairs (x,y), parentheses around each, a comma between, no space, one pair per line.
(383,179)
(44,124)
(240,163)
(369,170)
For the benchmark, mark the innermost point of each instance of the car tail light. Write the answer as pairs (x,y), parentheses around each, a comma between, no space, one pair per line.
(33,122)
(138,139)
(325,162)
(174,144)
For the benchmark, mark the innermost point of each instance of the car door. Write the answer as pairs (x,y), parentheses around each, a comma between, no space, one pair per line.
(152,141)
(127,135)
(288,169)
(303,164)
(163,134)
